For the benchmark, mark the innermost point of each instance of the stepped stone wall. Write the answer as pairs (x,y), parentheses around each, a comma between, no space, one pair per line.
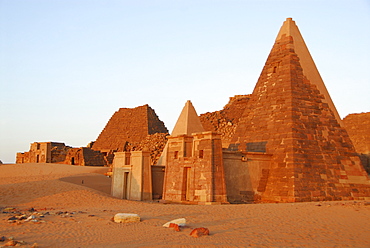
(128,125)
(84,156)
(358,128)
(226,120)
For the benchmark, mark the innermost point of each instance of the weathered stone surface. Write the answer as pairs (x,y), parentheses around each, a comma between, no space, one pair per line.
(199,232)
(154,143)
(179,222)
(126,218)
(55,152)
(358,128)
(226,120)
(11,243)
(84,156)
(44,152)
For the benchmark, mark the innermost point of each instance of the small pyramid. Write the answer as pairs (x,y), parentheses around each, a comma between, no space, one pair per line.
(290,115)
(187,123)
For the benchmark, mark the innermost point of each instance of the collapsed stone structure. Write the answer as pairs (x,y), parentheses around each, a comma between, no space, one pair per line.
(127,129)
(286,144)
(84,156)
(226,120)
(57,152)
(44,152)
(358,128)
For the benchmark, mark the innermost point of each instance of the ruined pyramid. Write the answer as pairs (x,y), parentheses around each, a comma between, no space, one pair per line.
(291,116)
(128,125)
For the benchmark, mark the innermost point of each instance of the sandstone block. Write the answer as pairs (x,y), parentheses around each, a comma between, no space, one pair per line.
(199,232)
(126,218)
(175,227)
(179,222)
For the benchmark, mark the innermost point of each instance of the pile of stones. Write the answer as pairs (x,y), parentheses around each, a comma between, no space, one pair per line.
(216,121)
(18,217)
(154,143)
(10,241)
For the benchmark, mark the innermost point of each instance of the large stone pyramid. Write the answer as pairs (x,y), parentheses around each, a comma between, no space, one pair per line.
(129,125)
(291,116)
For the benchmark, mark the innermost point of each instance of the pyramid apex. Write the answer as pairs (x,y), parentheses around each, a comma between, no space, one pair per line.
(289,28)
(188,121)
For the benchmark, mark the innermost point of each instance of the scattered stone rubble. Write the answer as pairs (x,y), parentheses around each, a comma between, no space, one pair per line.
(34,216)
(226,120)
(358,128)
(154,143)
(181,222)
(199,232)
(10,241)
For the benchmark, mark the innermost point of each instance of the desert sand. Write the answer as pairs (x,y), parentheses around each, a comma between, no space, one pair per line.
(78,209)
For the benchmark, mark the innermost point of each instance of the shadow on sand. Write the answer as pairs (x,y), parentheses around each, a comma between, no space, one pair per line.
(98,182)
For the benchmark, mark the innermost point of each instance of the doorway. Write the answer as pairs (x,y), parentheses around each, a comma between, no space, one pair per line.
(125,185)
(187,177)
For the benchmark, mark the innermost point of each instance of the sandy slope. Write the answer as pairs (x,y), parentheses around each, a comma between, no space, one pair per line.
(83,192)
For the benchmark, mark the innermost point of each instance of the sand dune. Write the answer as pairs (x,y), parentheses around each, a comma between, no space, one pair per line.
(78,209)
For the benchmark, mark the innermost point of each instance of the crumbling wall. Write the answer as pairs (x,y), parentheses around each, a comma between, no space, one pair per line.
(84,156)
(154,143)
(226,120)
(44,152)
(58,152)
(358,129)
(92,158)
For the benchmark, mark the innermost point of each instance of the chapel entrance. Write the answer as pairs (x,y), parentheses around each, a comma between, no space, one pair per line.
(187,174)
(125,183)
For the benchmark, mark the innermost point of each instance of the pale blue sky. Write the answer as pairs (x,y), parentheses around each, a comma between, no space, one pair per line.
(67,65)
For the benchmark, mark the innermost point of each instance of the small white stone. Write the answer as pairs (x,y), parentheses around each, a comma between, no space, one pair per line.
(126,218)
(179,222)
